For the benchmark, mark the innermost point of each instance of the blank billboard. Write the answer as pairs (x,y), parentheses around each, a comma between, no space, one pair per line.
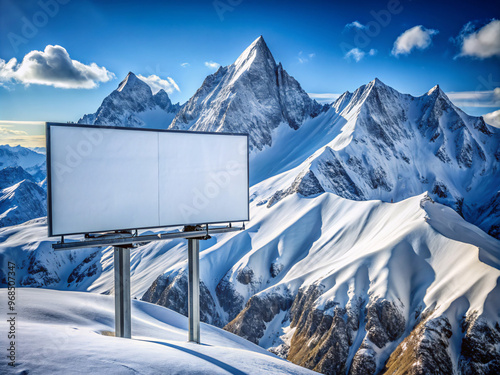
(109,178)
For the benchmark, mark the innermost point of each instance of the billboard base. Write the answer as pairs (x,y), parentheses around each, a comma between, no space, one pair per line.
(122,242)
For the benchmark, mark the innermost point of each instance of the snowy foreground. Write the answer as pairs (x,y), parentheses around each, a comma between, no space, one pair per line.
(68,333)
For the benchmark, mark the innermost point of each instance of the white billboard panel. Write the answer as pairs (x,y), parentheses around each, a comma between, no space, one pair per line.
(106,178)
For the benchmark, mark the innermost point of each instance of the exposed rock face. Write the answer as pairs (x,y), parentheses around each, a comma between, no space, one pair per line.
(171,291)
(390,146)
(324,339)
(259,310)
(306,185)
(86,269)
(384,322)
(364,362)
(229,299)
(424,351)
(12,175)
(254,95)
(133,104)
(480,353)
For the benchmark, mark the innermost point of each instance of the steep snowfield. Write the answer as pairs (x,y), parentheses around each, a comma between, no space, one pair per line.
(22,195)
(305,259)
(380,144)
(133,104)
(415,251)
(419,257)
(65,333)
(22,202)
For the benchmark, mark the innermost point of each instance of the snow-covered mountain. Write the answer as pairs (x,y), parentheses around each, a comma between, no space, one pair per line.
(76,330)
(328,272)
(377,143)
(337,285)
(31,161)
(133,104)
(254,95)
(22,194)
(12,175)
(21,202)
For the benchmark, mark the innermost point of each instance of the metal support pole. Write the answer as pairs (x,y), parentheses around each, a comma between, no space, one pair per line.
(194,289)
(123,316)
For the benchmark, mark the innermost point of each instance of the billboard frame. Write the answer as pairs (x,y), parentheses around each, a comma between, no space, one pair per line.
(48,126)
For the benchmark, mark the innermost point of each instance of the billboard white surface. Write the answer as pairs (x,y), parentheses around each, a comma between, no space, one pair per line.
(107,178)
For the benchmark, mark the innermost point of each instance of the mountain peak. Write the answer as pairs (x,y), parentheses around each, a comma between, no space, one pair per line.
(258,52)
(377,83)
(130,82)
(435,90)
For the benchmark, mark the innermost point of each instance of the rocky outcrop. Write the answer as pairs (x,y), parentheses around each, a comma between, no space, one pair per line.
(171,291)
(480,352)
(424,351)
(306,185)
(86,269)
(259,310)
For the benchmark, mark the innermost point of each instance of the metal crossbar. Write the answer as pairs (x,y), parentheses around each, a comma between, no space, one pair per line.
(116,240)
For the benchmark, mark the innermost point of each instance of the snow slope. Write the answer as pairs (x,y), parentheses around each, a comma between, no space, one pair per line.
(377,143)
(325,256)
(65,333)
(22,202)
(82,270)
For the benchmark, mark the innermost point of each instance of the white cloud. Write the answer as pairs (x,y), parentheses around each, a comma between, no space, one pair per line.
(23,140)
(483,43)
(53,67)
(476,98)
(356,54)
(157,84)
(303,59)
(493,118)
(417,37)
(324,98)
(355,25)
(7,131)
(211,64)
(185,65)
(372,52)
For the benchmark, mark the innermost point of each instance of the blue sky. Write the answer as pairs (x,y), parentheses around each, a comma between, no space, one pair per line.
(329,47)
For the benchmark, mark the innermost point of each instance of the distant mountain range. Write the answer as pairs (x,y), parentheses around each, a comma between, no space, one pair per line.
(22,185)
(364,252)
